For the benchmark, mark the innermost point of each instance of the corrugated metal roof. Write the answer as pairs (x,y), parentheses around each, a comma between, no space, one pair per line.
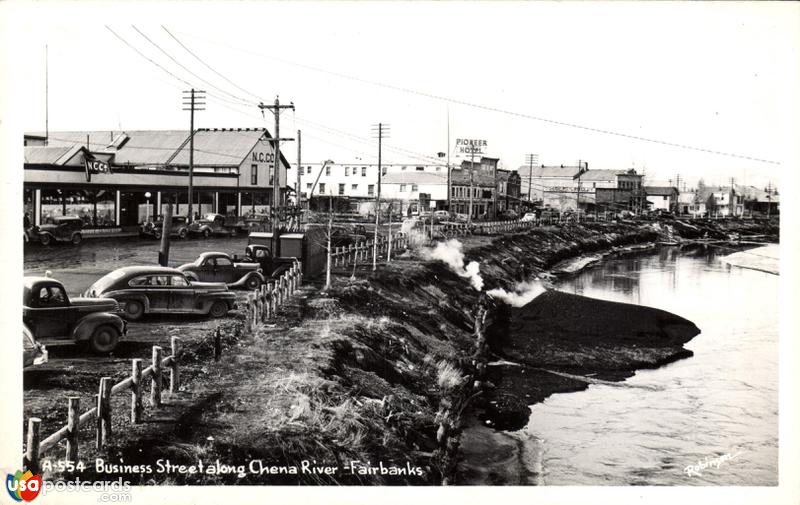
(212,147)
(44,155)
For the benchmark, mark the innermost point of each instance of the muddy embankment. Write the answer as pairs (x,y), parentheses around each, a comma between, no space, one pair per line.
(374,376)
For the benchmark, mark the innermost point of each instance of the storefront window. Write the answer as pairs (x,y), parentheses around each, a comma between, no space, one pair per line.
(255,204)
(96,208)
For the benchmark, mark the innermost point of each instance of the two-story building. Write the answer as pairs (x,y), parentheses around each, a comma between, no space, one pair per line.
(662,198)
(480,181)
(118,179)
(615,190)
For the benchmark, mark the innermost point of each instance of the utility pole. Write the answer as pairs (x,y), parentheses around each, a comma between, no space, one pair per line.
(194,97)
(276,194)
(471,182)
(578,200)
(382,130)
(531,159)
(46,96)
(731,205)
(299,172)
(449,184)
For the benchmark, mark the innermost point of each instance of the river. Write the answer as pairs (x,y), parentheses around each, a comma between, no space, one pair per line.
(720,403)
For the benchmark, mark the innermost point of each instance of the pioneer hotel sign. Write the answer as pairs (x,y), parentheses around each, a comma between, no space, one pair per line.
(470,146)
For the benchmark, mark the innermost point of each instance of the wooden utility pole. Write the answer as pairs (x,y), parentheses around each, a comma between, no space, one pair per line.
(299,173)
(449,183)
(471,181)
(381,129)
(194,101)
(163,254)
(531,159)
(276,196)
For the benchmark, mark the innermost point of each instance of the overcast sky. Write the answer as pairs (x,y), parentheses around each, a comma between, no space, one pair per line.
(715,76)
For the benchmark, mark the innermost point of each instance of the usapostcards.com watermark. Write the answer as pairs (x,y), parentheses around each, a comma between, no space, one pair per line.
(26,487)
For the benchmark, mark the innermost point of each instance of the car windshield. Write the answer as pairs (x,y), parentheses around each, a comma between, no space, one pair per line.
(106,281)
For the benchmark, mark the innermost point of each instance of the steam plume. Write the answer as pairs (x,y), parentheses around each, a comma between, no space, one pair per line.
(451,254)
(524,293)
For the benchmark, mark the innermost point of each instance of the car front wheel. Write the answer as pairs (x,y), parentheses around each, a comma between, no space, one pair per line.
(104,339)
(45,239)
(253,282)
(219,309)
(77,238)
(206,233)
(133,310)
(182,234)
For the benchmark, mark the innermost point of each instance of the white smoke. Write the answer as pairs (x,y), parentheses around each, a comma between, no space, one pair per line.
(524,292)
(414,235)
(451,254)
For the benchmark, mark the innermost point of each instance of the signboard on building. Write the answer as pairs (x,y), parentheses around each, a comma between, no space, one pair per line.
(470,146)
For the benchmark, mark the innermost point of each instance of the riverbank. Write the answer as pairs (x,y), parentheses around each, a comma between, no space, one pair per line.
(361,373)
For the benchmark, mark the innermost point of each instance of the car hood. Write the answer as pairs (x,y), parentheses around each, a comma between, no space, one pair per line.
(186,265)
(95,304)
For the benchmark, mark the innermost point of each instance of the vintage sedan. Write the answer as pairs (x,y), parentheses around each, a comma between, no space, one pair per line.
(220,267)
(144,290)
(179,228)
(210,224)
(50,313)
(62,229)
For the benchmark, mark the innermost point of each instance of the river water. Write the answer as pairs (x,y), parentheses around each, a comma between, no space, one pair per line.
(720,403)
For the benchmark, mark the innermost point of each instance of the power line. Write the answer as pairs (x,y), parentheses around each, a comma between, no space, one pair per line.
(160,66)
(504,111)
(209,66)
(148,39)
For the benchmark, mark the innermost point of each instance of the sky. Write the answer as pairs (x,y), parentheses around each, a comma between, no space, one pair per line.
(533,77)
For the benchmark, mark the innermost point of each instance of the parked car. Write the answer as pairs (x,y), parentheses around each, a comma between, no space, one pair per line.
(49,313)
(33,353)
(211,224)
(62,229)
(179,228)
(462,218)
(144,290)
(508,214)
(441,215)
(529,216)
(220,267)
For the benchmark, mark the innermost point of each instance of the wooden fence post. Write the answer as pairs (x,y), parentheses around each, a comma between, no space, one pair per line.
(73,424)
(103,434)
(217,344)
(155,383)
(136,391)
(32,453)
(175,373)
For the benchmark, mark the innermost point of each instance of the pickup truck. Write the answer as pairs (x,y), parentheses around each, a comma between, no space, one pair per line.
(50,313)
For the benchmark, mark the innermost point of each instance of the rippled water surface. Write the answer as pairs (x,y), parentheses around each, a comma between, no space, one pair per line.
(722,401)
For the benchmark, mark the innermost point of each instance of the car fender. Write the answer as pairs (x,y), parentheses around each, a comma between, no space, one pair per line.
(86,326)
(121,296)
(243,281)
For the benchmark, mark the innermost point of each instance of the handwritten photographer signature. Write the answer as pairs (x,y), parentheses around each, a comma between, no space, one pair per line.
(694,470)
